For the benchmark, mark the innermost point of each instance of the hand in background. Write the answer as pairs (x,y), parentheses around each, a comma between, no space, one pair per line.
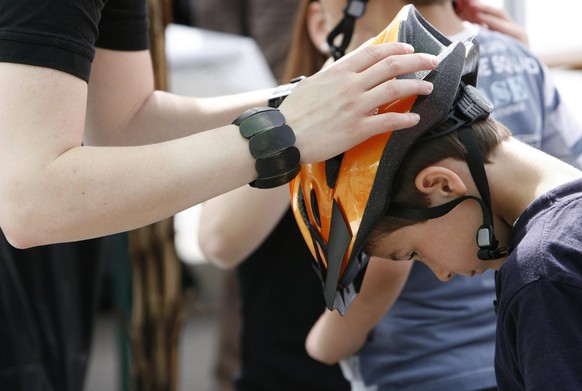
(493,18)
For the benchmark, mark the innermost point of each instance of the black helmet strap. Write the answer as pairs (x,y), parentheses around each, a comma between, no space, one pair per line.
(353,10)
(485,236)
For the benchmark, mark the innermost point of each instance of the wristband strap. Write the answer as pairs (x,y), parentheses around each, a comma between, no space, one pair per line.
(276,181)
(271,143)
(250,124)
(281,162)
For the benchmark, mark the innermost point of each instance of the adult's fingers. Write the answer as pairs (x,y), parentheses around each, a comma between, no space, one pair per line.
(374,124)
(332,110)
(394,66)
(391,121)
(396,89)
(367,55)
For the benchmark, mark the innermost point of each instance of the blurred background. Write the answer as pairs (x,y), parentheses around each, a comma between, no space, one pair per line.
(203,62)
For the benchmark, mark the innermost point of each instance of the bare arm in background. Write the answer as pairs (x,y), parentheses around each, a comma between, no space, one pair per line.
(335,337)
(234,224)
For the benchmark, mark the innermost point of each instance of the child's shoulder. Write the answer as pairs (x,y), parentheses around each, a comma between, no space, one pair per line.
(547,241)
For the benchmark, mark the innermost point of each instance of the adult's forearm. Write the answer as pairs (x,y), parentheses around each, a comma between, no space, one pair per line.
(124,109)
(164,116)
(93,191)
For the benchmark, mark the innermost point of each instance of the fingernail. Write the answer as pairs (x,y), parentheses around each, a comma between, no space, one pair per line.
(415,117)
(434,60)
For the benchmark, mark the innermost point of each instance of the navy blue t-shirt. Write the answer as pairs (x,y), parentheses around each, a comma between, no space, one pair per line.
(539,294)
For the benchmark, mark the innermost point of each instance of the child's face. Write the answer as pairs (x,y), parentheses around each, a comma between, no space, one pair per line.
(447,244)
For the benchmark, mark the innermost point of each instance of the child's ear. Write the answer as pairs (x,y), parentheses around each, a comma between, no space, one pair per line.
(317,26)
(441,184)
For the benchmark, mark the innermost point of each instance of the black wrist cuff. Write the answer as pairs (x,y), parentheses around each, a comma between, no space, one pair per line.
(271,143)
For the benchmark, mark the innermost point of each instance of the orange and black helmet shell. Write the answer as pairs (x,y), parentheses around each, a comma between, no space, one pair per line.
(337,202)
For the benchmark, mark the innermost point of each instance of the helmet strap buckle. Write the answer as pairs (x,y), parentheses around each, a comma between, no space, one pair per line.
(353,10)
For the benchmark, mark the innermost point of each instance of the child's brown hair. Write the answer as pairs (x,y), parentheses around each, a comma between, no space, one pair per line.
(489,134)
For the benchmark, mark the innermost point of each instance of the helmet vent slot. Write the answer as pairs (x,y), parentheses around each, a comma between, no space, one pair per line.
(315,208)
(332,167)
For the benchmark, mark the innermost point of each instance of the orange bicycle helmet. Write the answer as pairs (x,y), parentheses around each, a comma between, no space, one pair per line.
(337,202)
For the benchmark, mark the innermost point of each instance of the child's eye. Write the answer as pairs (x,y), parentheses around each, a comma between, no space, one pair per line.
(403,256)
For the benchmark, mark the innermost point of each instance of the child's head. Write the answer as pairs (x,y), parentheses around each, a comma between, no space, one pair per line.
(338,203)
(433,173)
(407,190)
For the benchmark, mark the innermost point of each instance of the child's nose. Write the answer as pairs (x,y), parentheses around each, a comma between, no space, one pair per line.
(442,275)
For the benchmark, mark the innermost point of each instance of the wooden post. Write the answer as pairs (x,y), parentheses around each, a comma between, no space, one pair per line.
(158,301)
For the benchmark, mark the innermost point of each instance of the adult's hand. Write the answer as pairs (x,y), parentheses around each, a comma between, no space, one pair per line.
(493,18)
(354,87)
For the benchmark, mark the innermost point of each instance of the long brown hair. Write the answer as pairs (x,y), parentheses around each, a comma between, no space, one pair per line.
(304,58)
